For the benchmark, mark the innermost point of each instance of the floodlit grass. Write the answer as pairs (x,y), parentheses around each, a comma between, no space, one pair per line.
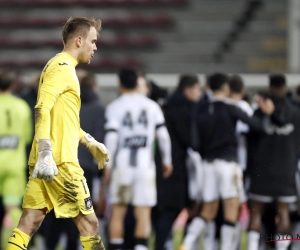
(178,236)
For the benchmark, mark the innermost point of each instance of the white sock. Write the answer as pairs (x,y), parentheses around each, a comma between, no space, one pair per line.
(253,240)
(296,243)
(140,247)
(209,237)
(227,237)
(194,230)
(282,245)
(238,231)
(118,242)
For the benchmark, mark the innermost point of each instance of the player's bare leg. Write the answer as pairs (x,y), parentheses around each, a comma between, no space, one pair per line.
(116,226)
(88,229)
(256,210)
(197,226)
(283,226)
(29,223)
(142,227)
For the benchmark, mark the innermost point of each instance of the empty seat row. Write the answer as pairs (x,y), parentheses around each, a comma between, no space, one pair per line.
(106,63)
(61,3)
(129,21)
(115,42)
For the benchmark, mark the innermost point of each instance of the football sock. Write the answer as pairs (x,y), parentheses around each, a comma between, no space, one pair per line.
(92,242)
(141,244)
(18,240)
(282,245)
(194,230)
(253,240)
(115,244)
(228,236)
(11,221)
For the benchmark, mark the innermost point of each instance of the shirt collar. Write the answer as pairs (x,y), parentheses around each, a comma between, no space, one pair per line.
(72,59)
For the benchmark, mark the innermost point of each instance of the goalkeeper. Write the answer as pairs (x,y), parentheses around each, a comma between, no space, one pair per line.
(56,179)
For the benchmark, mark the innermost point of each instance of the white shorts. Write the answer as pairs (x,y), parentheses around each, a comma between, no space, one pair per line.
(221,179)
(195,175)
(269,199)
(133,185)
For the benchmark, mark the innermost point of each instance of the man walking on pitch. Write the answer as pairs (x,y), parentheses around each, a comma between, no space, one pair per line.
(56,179)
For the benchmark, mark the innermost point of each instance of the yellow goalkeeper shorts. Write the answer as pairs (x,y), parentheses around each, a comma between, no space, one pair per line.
(68,194)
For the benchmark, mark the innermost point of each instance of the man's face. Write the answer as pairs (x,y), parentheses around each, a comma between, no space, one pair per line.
(193,93)
(88,47)
(142,86)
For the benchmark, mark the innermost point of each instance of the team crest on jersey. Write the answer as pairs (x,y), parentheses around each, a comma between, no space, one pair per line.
(88,203)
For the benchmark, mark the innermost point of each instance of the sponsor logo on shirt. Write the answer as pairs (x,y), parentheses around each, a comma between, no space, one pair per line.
(9,142)
(284,130)
(135,142)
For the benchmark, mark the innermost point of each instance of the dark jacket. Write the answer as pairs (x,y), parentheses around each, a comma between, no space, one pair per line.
(214,129)
(172,191)
(92,122)
(272,157)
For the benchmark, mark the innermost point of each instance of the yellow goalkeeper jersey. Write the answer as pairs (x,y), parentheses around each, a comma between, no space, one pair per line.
(57,110)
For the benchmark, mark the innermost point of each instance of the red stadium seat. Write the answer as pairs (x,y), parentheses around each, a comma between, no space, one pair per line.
(91,3)
(144,41)
(124,22)
(106,63)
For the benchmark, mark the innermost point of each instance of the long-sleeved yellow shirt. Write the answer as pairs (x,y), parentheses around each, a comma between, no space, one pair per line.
(57,110)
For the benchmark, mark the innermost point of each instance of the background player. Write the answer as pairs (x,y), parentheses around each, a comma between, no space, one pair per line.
(273,159)
(133,121)
(15,114)
(218,148)
(57,133)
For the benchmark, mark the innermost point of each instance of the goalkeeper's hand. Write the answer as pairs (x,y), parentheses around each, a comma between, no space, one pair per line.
(45,167)
(98,150)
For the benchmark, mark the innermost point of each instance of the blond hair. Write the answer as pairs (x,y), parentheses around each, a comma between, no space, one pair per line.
(79,26)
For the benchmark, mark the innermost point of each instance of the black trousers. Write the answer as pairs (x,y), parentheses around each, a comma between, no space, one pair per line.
(163,219)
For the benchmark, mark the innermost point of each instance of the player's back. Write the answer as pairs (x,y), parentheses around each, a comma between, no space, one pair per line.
(15,130)
(135,118)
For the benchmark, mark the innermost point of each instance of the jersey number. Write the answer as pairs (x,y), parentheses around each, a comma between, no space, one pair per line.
(127,122)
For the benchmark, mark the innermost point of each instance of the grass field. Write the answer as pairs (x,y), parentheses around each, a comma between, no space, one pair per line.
(178,235)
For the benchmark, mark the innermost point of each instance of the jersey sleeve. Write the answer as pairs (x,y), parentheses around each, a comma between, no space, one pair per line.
(111,119)
(28,125)
(259,124)
(159,117)
(111,137)
(81,133)
(52,85)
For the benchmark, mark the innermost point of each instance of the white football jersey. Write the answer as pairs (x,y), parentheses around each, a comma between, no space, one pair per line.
(242,128)
(135,118)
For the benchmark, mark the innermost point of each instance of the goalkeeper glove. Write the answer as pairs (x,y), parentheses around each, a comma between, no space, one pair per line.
(45,167)
(97,149)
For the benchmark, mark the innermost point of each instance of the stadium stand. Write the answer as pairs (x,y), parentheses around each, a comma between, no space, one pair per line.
(166,36)
(112,3)
(121,41)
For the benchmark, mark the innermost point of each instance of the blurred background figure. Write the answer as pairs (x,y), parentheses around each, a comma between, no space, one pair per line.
(173,191)
(132,123)
(273,159)
(15,135)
